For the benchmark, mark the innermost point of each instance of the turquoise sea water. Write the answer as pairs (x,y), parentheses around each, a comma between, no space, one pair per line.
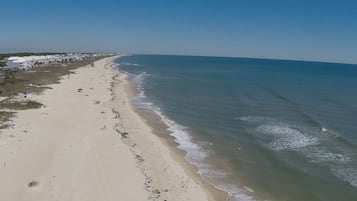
(258,129)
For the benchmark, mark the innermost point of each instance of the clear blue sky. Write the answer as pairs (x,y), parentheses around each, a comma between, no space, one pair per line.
(305,30)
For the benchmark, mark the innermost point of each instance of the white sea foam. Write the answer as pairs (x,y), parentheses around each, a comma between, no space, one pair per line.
(139,98)
(195,153)
(248,189)
(283,137)
(340,163)
(309,142)
(320,154)
(235,194)
(129,64)
(348,174)
(139,79)
(115,65)
(141,94)
(328,133)
(254,119)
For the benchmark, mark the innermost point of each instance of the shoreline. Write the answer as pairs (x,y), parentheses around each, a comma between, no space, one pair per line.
(167,142)
(161,130)
(92,145)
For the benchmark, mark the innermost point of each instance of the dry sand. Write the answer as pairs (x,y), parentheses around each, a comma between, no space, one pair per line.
(92,146)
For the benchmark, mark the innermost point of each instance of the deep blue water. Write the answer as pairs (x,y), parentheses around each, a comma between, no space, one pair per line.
(259,129)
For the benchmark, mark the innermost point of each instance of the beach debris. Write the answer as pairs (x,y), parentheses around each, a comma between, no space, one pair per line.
(123,134)
(33,184)
(79,90)
(139,158)
(96,102)
(156,191)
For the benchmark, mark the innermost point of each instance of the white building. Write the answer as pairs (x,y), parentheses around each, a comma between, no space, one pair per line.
(17,63)
(24,63)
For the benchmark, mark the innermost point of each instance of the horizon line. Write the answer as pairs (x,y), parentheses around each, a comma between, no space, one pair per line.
(192,55)
(238,57)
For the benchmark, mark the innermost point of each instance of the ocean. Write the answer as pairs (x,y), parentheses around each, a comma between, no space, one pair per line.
(258,129)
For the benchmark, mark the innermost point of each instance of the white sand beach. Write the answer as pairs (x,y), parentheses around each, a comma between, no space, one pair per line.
(92,146)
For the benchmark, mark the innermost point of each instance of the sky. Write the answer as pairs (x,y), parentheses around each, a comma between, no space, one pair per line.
(315,30)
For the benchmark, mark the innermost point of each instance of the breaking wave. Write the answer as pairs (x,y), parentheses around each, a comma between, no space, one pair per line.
(283,137)
(315,144)
(195,153)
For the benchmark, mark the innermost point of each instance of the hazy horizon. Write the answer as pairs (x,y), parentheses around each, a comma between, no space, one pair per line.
(288,30)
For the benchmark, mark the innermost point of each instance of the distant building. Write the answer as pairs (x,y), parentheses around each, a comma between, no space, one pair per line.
(17,63)
(27,62)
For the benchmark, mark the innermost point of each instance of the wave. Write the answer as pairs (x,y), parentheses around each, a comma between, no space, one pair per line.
(278,135)
(196,154)
(277,95)
(254,119)
(283,137)
(339,138)
(339,104)
(293,106)
(129,64)
(315,128)
(323,155)
(348,174)
(318,145)
(194,151)
(115,65)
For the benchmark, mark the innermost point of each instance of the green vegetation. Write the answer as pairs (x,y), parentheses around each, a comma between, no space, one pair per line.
(34,82)
(8,79)
(5,117)
(20,105)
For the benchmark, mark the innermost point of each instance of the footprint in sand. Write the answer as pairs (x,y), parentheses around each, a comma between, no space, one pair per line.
(103,128)
(33,184)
